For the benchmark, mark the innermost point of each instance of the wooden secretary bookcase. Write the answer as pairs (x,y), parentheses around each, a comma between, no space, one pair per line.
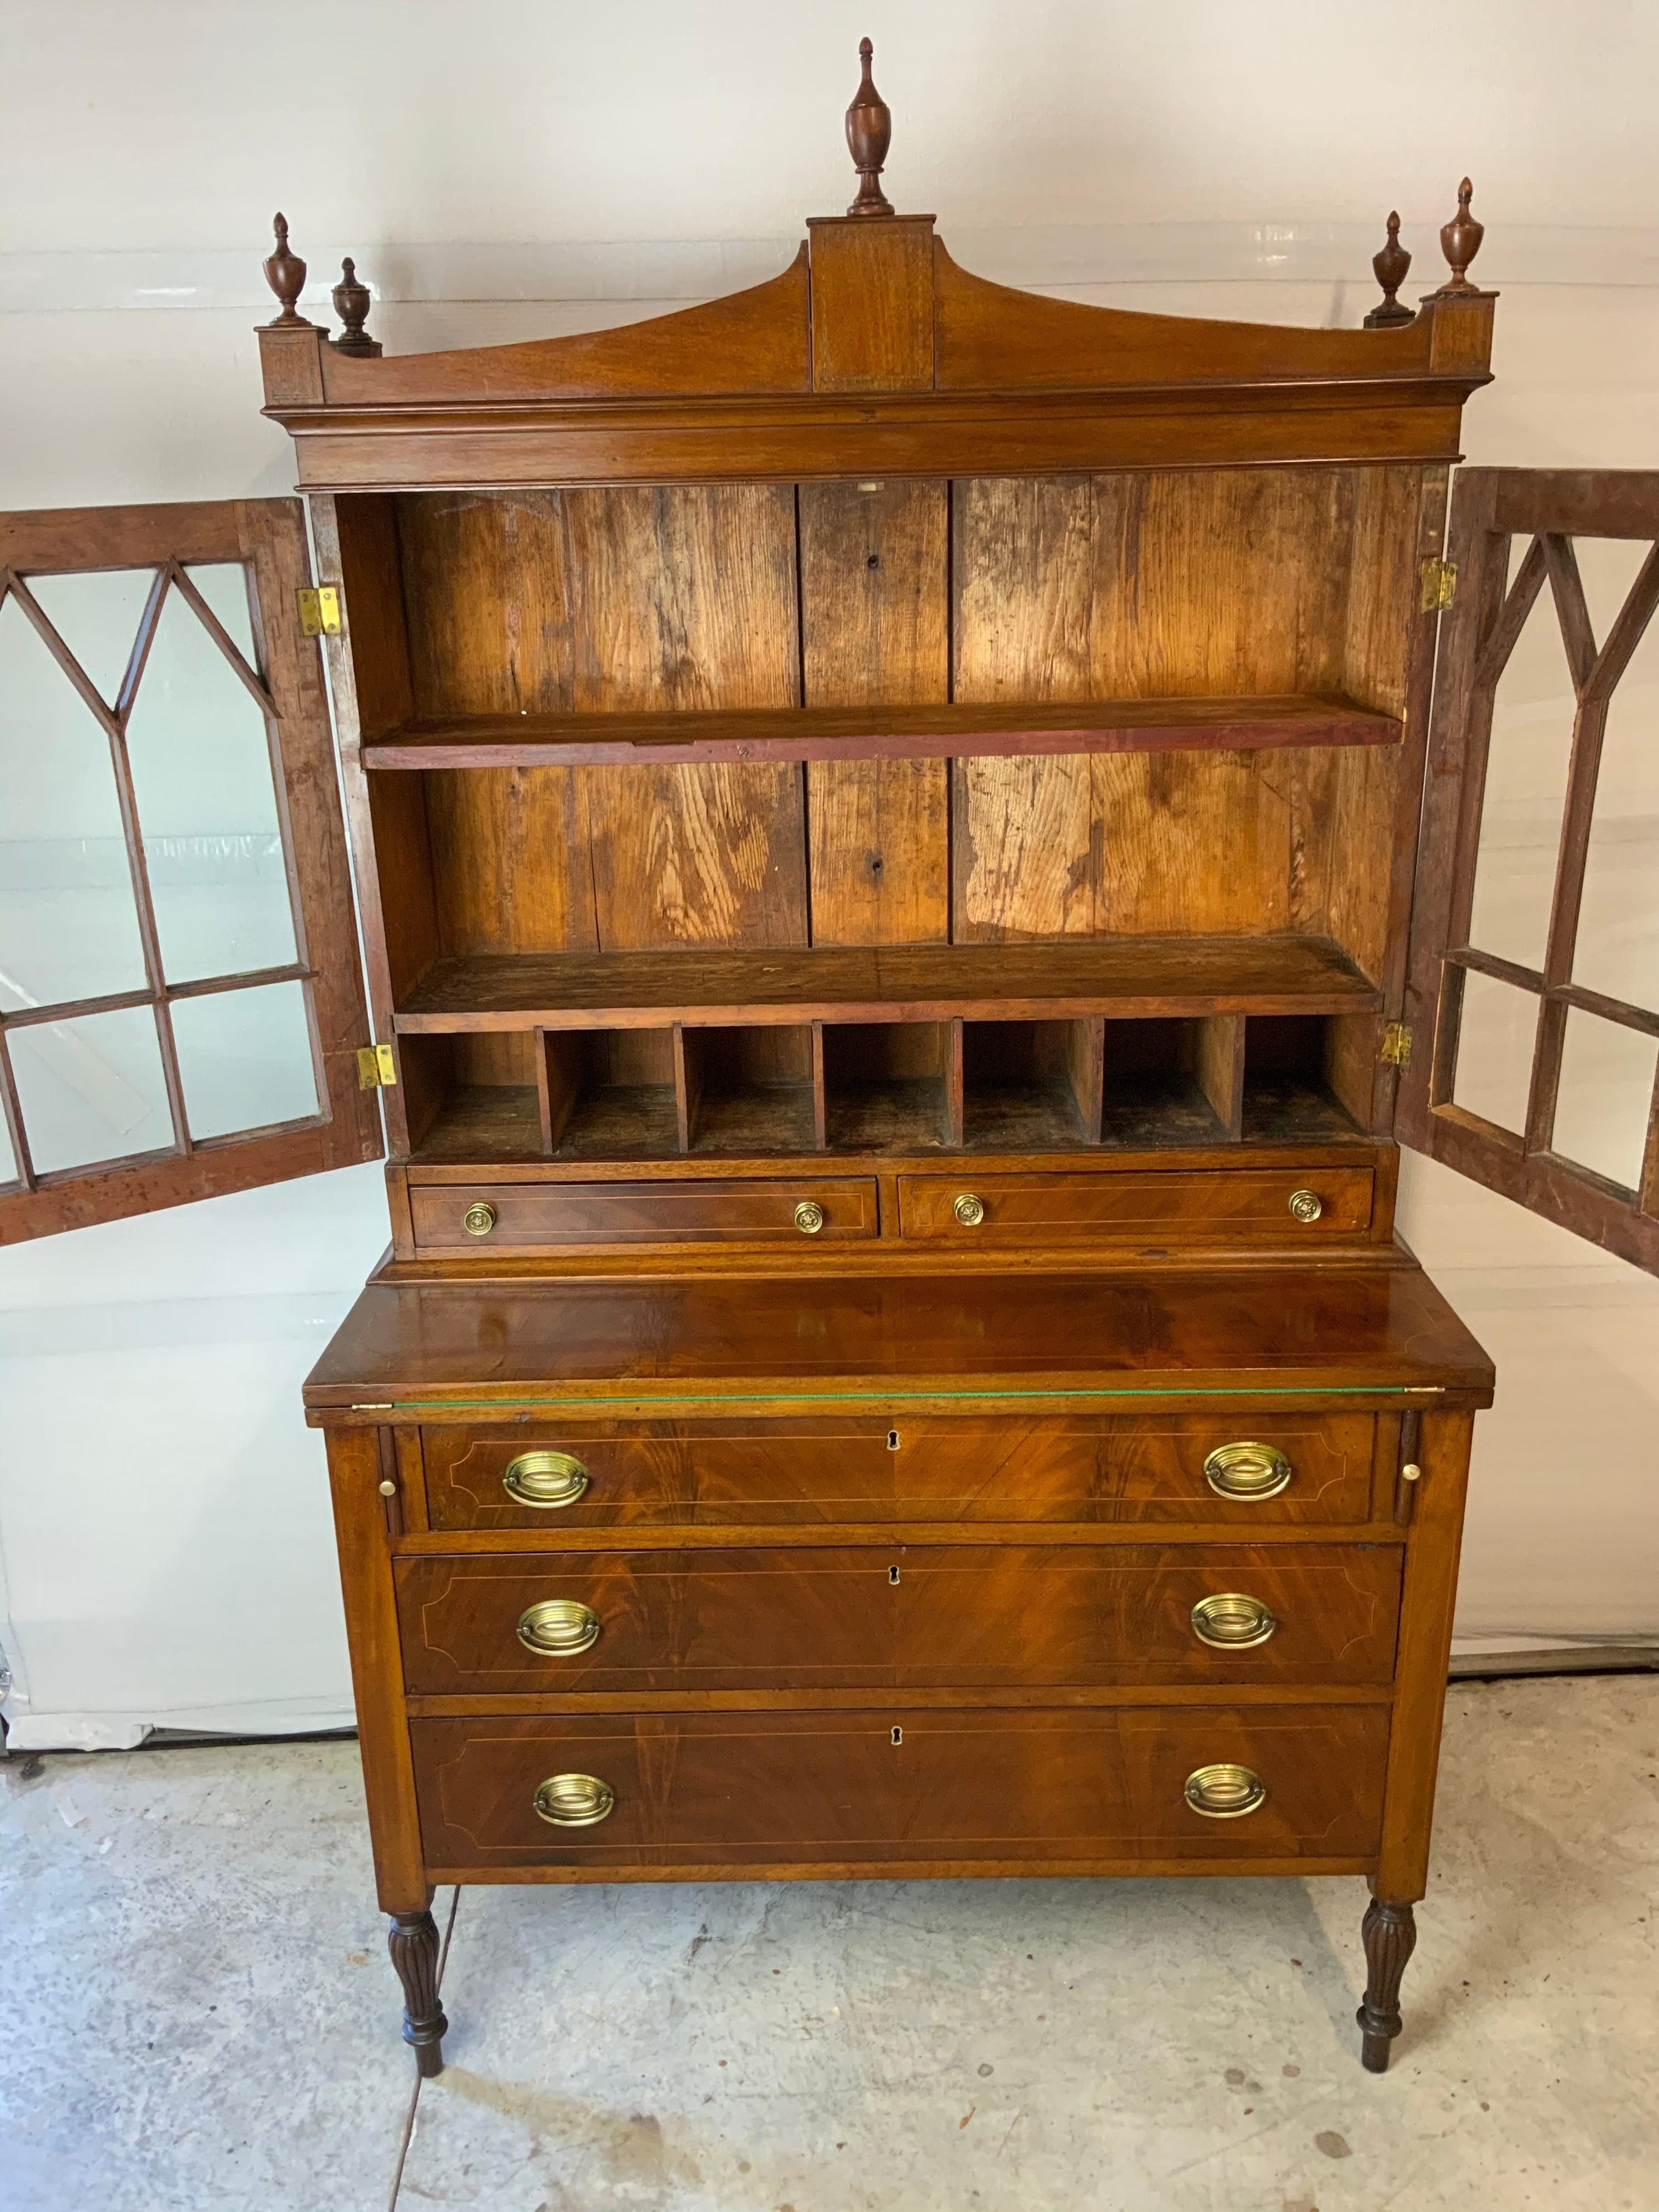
(886,813)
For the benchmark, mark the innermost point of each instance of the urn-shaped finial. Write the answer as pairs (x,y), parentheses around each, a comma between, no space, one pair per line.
(1391,265)
(351,304)
(869,132)
(285,273)
(1460,241)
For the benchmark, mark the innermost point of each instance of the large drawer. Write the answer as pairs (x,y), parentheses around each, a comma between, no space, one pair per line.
(900,1617)
(1224,1206)
(839,1468)
(504,1215)
(898,1788)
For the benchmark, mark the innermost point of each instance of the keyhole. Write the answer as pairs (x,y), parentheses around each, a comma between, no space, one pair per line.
(892,1575)
(873,560)
(892,1440)
(898,1735)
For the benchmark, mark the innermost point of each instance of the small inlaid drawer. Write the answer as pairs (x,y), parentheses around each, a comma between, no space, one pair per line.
(900,1617)
(469,1218)
(1229,1206)
(1244,1468)
(890,1790)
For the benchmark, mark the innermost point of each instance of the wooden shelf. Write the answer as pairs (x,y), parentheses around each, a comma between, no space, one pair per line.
(803,734)
(1121,977)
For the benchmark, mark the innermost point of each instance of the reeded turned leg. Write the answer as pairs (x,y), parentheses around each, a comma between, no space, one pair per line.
(412,1938)
(1390,1937)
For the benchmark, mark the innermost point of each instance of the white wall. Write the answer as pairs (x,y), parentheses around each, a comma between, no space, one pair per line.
(165,1552)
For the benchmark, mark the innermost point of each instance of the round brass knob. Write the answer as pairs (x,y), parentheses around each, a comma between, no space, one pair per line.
(1306,1205)
(809,1216)
(479,1218)
(388,1488)
(574,1800)
(1246,1470)
(969,1210)
(1411,1472)
(545,1478)
(558,1628)
(1230,1621)
(1224,1792)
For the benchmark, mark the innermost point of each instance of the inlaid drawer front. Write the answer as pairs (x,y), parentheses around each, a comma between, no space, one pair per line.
(1232,1205)
(1262,1468)
(896,1787)
(901,1616)
(494,1217)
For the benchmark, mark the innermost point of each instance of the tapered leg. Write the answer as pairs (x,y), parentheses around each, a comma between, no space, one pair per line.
(413,1940)
(1390,1936)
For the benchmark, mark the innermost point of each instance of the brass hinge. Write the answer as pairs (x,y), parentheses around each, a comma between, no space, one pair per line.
(1440,585)
(1397,1044)
(320,611)
(376,1068)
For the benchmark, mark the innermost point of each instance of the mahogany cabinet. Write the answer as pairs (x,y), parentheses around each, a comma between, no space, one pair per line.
(889,825)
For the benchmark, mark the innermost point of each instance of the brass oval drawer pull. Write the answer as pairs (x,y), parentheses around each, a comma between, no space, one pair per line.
(1306,1206)
(480,1217)
(1230,1621)
(545,1478)
(1247,1470)
(1224,1792)
(809,1216)
(969,1210)
(574,1800)
(558,1628)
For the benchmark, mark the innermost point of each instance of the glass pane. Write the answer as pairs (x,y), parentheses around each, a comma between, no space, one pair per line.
(68,927)
(1617,949)
(1526,789)
(1607,1092)
(207,806)
(245,1059)
(1608,568)
(1494,1052)
(91,1089)
(223,585)
(96,616)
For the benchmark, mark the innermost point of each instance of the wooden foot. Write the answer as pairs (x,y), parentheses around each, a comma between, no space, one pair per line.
(412,1938)
(1390,1937)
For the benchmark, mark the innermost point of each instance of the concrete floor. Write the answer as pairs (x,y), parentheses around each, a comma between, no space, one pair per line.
(201,2014)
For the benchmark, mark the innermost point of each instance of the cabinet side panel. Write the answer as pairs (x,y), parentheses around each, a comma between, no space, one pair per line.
(875,629)
(1387,633)
(357,1466)
(1425,1631)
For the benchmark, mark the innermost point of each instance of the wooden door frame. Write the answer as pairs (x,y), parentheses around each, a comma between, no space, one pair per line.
(1489,508)
(266,538)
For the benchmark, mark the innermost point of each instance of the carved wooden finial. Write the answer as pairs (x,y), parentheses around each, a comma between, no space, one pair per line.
(1391,265)
(869,132)
(351,304)
(285,273)
(1460,241)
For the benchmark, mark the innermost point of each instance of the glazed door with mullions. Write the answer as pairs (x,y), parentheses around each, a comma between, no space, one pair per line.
(1532,993)
(181,1003)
